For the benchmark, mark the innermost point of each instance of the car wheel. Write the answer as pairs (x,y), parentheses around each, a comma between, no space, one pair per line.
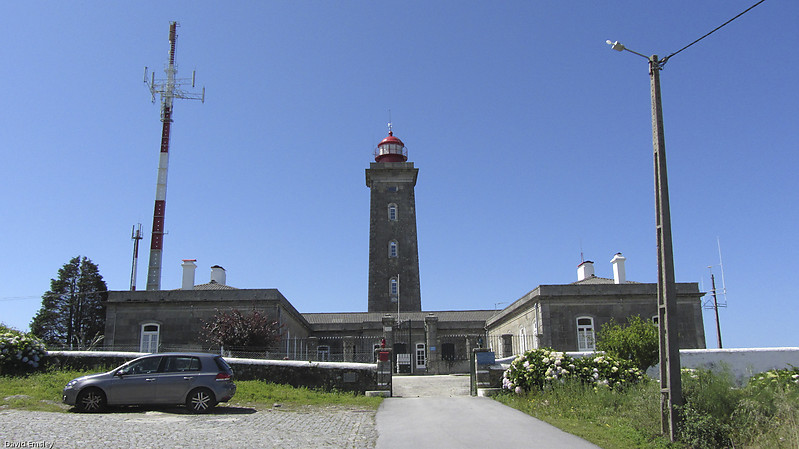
(91,400)
(200,400)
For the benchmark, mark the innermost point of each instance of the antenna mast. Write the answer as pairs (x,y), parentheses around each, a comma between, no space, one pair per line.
(135,235)
(169,89)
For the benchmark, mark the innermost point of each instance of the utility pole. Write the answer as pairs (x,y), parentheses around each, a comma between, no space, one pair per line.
(670,382)
(716,309)
(135,235)
(169,89)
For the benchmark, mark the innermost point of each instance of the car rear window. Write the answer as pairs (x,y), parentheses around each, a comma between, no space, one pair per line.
(222,364)
(182,364)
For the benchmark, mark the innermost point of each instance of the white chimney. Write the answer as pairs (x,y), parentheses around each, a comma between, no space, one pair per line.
(585,270)
(218,275)
(188,273)
(619,275)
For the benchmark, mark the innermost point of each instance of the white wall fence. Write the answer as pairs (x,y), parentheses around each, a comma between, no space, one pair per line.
(742,363)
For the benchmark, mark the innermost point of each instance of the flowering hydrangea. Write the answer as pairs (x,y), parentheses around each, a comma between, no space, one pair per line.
(540,368)
(777,377)
(537,368)
(602,370)
(20,353)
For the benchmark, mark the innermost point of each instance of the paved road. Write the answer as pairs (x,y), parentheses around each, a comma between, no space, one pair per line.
(427,411)
(436,412)
(227,427)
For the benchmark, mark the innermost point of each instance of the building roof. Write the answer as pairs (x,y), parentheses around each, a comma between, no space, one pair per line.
(598,280)
(362,317)
(213,285)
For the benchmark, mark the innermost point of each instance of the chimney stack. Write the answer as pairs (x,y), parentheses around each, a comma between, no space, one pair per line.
(218,275)
(188,273)
(585,270)
(619,275)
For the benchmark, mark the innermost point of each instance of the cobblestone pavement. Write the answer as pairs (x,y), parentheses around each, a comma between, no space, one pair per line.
(226,427)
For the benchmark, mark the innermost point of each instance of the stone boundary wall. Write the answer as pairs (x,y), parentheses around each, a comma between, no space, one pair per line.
(742,363)
(354,377)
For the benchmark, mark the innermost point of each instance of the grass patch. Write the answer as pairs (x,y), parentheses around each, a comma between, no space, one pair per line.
(258,392)
(609,419)
(764,414)
(42,392)
(38,391)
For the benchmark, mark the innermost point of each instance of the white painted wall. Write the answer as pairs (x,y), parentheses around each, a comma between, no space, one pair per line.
(742,363)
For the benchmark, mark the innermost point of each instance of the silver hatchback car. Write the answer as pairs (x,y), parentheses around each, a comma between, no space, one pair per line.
(199,381)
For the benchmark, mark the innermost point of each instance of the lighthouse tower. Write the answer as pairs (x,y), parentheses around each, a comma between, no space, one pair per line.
(393,249)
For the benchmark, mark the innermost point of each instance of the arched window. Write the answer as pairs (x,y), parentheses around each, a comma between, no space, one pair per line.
(149,337)
(393,249)
(585,334)
(393,289)
(392,212)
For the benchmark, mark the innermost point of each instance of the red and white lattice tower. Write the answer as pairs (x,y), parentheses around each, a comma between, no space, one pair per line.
(169,89)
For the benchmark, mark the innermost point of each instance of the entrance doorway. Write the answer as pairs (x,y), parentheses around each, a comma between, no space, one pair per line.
(421,356)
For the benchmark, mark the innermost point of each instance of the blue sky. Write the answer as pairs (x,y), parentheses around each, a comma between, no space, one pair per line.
(532,138)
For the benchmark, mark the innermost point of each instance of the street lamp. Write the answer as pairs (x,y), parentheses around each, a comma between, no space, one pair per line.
(670,383)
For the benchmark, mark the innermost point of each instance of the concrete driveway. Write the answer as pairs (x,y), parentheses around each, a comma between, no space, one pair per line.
(437,412)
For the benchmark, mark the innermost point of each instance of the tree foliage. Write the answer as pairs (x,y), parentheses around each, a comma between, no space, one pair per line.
(234,329)
(637,341)
(73,310)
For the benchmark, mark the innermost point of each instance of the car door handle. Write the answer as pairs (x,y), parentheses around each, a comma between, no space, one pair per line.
(187,378)
(151,379)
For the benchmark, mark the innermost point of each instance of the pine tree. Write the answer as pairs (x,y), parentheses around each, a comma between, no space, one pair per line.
(73,310)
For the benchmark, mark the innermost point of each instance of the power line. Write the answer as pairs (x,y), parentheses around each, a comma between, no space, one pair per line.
(24,298)
(663,61)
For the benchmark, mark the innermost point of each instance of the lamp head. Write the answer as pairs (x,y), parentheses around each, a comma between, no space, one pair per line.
(618,46)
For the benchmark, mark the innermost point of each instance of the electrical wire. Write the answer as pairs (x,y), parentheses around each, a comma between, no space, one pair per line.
(663,61)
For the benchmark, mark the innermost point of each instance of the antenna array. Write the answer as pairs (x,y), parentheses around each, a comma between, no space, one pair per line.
(168,88)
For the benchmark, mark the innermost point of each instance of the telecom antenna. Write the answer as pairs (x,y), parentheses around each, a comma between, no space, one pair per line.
(135,235)
(168,88)
(721,265)
(715,304)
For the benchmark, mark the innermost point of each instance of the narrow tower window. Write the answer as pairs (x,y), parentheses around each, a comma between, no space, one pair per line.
(393,249)
(393,289)
(392,212)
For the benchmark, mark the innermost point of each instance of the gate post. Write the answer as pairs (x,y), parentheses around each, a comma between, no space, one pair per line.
(433,351)
(384,370)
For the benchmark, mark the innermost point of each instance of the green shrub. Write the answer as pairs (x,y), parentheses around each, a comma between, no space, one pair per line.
(20,353)
(701,430)
(637,341)
(710,400)
(768,414)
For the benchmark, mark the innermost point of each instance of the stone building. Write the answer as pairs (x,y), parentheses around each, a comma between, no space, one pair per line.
(564,317)
(162,320)
(567,317)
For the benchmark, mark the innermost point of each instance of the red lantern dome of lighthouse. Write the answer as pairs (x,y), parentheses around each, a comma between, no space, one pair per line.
(391,149)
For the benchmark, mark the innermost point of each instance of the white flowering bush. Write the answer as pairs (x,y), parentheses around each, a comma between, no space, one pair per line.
(536,369)
(20,353)
(540,368)
(602,370)
(785,378)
